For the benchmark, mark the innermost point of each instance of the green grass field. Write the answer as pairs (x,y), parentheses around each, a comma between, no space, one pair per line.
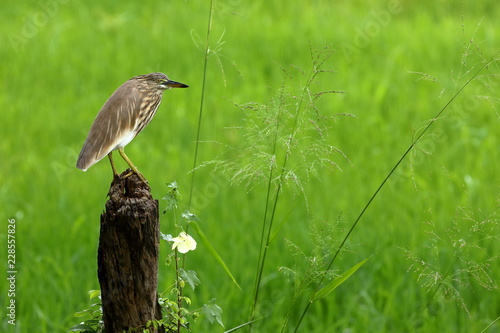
(434,225)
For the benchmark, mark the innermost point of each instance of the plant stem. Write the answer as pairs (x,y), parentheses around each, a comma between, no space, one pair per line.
(200,114)
(202,98)
(262,252)
(265,246)
(179,290)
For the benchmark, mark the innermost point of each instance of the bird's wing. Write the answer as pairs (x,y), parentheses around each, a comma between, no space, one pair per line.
(113,125)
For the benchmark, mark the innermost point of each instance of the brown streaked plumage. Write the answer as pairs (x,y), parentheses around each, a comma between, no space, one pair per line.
(124,115)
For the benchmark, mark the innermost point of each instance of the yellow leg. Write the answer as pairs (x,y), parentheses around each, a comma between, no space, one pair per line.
(132,166)
(112,164)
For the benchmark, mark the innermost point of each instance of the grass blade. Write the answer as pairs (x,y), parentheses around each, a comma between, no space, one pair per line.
(326,290)
(234,329)
(214,252)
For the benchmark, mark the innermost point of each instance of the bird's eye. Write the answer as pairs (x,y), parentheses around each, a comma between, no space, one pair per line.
(159,80)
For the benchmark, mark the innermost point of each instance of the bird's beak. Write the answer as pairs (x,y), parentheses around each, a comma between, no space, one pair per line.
(175,84)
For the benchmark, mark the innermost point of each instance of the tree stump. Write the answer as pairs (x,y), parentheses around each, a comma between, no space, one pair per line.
(127,257)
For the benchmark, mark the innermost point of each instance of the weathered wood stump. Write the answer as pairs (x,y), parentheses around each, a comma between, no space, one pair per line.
(127,258)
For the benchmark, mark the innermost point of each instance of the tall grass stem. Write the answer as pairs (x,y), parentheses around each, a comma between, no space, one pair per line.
(202,99)
(265,246)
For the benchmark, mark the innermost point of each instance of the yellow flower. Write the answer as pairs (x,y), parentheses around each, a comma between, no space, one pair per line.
(184,243)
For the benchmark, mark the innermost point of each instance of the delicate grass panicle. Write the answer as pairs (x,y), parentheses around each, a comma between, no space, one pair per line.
(457,260)
(310,267)
(454,263)
(284,142)
(289,136)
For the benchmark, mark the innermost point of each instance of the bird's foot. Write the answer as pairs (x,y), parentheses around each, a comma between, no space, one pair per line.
(137,173)
(128,174)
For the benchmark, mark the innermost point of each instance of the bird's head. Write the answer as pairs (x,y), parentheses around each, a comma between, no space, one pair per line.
(160,81)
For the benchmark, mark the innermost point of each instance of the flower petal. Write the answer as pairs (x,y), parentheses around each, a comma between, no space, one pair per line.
(184,243)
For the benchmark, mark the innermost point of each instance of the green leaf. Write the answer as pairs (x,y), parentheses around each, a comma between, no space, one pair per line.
(166,237)
(190,277)
(326,290)
(153,323)
(81,313)
(94,294)
(190,216)
(172,197)
(81,327)
(213,252)
(213,311)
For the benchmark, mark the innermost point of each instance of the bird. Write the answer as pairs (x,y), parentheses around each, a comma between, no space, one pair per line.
(124,115)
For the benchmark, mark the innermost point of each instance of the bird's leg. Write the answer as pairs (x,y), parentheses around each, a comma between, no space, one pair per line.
(132,166)
(115,174)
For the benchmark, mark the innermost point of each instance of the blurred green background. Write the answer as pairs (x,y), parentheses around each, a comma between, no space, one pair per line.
(61,60)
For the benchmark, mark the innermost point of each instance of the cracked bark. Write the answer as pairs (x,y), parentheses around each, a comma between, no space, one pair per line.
(127,257)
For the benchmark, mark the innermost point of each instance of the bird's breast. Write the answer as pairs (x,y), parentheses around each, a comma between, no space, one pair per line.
(147,111)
